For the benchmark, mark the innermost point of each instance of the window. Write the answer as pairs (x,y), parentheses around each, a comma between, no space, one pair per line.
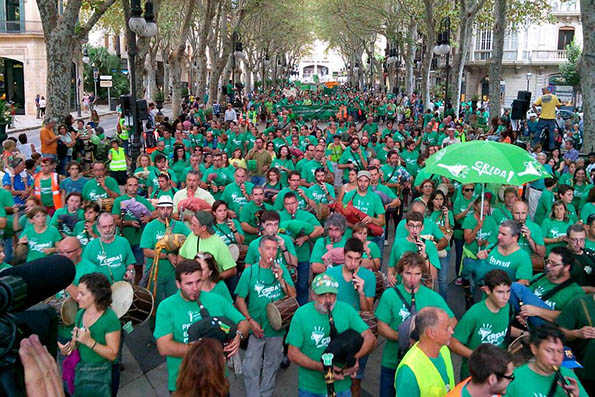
(11,15)
(511,41)
(565,37)
(483,40)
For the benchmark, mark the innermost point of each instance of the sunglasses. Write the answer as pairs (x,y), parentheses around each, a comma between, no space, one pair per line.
(509,377)
(468,190)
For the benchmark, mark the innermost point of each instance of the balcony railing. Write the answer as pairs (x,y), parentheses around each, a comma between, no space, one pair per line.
(548,55)
(526,56)
(20,27)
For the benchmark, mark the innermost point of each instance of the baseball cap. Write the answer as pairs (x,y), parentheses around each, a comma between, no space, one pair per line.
(364,173)
(165,201)
(569,360)
(324,284)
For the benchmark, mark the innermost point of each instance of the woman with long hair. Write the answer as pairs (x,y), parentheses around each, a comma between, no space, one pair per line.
(555,225)
(225,227)
(144,167)
(582,186)
(349,186)
(210,279)
(284,163)
(202,373)
(180,162)
(443,217)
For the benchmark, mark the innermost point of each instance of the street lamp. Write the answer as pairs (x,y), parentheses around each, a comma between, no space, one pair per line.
(442,48)
(238,52)
(77,93)
(145,27)
(528,79)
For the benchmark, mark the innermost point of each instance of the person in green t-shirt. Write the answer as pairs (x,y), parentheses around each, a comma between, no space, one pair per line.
(554,227)
(96,336)
(64,219)
(260,284)
(250,212)
(507,255)
(177,313)
(101,186)
(488,321)
(395,308)
(547,198)
(531,239)
(237,194)
(310,334)
(537,376)
(353,157)
(111,254)
(40,238)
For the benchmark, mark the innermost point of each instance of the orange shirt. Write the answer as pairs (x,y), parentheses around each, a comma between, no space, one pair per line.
(45,135)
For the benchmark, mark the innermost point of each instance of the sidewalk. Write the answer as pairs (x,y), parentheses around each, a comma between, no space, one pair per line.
(23,123)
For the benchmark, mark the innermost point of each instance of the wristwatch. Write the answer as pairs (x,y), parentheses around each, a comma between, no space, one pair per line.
(241,335)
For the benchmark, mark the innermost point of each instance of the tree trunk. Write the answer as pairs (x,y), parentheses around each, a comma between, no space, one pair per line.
(429,40)
(587,73)
(496,61)
(203,39)
(176,60)
(410,59)
(460,56)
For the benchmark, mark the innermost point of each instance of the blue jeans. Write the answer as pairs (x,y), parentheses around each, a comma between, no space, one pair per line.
(49,156)
(459,254)
(7,249)
(303,277)
(258,180)
(521,293)
(443,275)
(362,367)
(387,382)
(550,124)
(305,393)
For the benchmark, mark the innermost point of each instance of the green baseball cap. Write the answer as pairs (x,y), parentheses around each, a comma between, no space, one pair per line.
(324,284)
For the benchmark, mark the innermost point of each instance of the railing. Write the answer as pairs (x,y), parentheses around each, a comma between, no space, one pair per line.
(19,27)
(566,7)
(530,56)
(548,55)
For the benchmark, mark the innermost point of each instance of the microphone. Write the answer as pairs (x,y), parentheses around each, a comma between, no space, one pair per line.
(26,285)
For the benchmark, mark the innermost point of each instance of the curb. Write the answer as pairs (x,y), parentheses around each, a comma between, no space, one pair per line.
(110,113)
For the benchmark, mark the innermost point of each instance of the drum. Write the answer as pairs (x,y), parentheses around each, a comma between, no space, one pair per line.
(131,302)
(66,307)
(321,211)
(234,250)
(520,350)
(370,319)
(238,253)
(281,311)
(381,284)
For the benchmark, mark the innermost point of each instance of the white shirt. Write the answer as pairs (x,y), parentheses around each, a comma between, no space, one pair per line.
(230,115)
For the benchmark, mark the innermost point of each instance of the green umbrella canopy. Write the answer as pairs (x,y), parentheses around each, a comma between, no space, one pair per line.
(486,162)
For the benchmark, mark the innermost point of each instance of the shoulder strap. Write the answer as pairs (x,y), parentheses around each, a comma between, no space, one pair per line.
(400,295)
(555,290)
(197,244)
(204,313)
(553,387)
(509,327)
(536,279)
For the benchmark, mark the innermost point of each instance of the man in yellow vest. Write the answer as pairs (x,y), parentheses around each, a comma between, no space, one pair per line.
(426,369)
(491,371)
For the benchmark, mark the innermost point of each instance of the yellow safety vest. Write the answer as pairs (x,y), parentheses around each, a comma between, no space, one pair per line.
(428,377)
(118,162)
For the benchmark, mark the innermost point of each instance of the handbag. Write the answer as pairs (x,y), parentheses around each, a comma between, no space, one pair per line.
(68,369)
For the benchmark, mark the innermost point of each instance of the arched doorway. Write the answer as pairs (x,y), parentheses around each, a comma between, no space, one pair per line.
(12,83)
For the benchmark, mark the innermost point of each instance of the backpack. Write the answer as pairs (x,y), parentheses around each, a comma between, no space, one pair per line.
(150,140)
(62,149)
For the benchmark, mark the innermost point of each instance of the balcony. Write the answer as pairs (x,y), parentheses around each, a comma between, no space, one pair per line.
(566,8)
(21,27)
(524,57)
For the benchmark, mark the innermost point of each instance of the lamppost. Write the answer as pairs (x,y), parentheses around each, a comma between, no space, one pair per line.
(392,59)
(145,27)
(238,52)
(356,70)
(443,48)
(77,89)
(528,79)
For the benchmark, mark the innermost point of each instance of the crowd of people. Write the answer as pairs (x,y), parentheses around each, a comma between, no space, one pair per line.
(311,242)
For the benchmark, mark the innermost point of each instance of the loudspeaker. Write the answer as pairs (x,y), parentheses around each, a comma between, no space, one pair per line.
(524,96)
(141,109)
(125,103)
(519,109)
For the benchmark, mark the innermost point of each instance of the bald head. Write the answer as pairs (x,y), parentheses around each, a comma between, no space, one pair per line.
(70,247)
(520,210)
(433,326)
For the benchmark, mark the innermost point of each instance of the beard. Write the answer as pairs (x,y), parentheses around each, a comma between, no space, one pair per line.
(324,309)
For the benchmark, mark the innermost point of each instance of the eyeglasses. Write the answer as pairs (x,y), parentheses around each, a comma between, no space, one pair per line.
(548,262)
(509,377)
(468,190)
(67,252)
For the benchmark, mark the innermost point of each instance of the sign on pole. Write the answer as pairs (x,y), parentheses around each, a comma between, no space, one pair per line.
(105,83)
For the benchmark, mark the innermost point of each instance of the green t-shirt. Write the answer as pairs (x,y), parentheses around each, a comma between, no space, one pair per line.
(500,214)
(253,255)
(260,287)
(576,315)
(347,292)
(278,205)
(430,228)
(152,233)
(401,245)
(213,245)
(544,206)
(349,157)
(528,383)
(107,323)
(370,203)
(322,246)
(37,242)
(81,233)
(393,311)
(175,315)
(92,191)
(63,227)
(132,234)
(224,231)
(309,331)
(248,215)
(233,197)
(309,221)
(553,228)
(318,195)
(588,209)
(541,285)
(489,231)
(111,259)
(480,325)
(517,265)
(536,236)
(82,268)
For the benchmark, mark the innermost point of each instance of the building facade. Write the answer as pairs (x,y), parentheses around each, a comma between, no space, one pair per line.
(532,57)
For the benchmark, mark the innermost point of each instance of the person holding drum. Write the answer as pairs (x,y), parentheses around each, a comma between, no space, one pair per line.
(488,321)
(96,337)
(357,288)
(545,372)
(248,214)
(491,371)
(395,314)
(309,336)
(178,312)
(260,284)
(101,187)
(162,227)
(328,250)
(110,254)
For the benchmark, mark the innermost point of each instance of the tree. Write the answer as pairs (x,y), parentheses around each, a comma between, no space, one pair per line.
(587,71)
(63,32)
(497,54)
(569,69)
